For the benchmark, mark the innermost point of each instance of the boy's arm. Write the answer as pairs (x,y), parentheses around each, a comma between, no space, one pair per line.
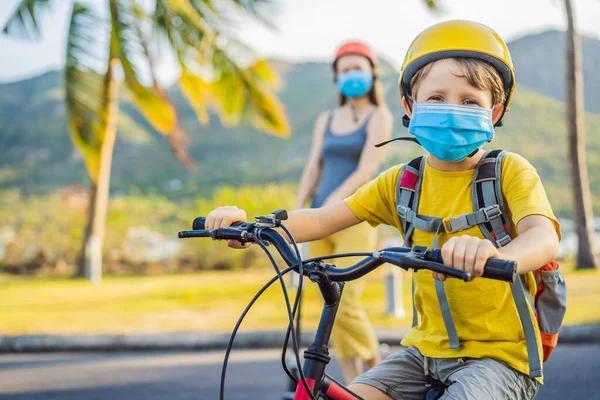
(317,223)
(536,244)
(538,231)
(373,202)
(304,224)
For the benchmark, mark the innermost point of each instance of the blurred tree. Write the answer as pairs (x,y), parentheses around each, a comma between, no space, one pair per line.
(214,72)
(582,201)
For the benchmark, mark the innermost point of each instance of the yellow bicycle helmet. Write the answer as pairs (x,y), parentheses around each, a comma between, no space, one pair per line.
(458,38)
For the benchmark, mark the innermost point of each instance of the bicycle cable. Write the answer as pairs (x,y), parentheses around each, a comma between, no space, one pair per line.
(256,297)
(290,316)
(288,331)
(239,322)
(296,304)
(340,255)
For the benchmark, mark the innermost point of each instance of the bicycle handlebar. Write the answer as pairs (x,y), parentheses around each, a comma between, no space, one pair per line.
(416,258)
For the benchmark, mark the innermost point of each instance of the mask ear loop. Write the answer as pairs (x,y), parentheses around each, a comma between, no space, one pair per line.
(406,138)
(406,122)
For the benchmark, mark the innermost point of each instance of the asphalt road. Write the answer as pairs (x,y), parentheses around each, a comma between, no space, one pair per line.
(573,372)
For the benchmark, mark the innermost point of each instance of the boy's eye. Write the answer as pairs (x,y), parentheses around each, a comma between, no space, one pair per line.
(471,102)
(435,98)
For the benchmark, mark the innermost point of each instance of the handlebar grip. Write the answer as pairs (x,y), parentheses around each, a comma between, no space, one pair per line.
(228,233)
(193,234)
(199,222)
(502,270)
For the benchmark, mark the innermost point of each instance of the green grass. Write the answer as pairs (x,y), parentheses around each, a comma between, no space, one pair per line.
(208,301)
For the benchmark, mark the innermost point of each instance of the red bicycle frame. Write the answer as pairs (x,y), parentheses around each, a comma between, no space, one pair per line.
(329,387)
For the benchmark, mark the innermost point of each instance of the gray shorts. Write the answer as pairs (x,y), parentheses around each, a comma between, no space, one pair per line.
(402,376)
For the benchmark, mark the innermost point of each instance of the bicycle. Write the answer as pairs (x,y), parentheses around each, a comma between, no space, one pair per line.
(312,381)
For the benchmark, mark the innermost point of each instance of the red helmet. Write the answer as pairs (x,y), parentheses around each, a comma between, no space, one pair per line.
(357,48)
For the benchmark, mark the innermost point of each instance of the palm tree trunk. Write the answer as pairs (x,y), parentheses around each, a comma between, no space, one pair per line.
(582,204)
(81,260)
(90,259)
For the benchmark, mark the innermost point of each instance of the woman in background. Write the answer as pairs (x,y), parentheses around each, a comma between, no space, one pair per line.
(342,159)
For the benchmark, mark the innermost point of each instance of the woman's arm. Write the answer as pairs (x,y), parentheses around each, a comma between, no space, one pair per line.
(378,130)
(312,171)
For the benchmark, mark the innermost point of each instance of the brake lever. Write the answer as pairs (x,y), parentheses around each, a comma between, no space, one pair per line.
(272,220)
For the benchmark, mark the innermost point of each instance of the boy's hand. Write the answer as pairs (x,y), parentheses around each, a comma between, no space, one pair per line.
(467,253)
(222,217)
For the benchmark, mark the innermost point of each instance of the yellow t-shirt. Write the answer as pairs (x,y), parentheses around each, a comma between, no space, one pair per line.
(483,310)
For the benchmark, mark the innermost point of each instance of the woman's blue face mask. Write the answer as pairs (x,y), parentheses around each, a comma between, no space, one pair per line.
(451,132)
(355,83)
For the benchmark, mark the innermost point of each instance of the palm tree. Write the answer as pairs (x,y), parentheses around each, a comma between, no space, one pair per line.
(582,203)
(99,50)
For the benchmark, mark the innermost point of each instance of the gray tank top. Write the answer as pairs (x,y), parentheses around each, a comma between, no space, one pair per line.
(339,158)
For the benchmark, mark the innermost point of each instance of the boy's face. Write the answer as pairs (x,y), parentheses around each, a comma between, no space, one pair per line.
(445,84)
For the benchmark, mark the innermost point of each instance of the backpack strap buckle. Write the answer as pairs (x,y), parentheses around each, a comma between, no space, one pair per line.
(503,241)
(447,223)
(466,221)
(492,212)
(402,211)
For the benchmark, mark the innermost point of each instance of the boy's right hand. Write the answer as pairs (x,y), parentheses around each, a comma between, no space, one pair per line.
(222,217)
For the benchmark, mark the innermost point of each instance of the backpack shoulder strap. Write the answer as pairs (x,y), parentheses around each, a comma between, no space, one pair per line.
(408,190)
(487,196)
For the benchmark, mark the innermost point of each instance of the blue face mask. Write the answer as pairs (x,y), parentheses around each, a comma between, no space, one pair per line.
(451,132)
(355,83)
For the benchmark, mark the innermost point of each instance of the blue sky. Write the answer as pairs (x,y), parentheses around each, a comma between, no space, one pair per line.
(311,29)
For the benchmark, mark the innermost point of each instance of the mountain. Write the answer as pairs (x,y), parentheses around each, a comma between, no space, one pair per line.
(36,155)
(540,65)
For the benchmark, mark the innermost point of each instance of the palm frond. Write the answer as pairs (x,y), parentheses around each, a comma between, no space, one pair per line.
(256,8)
(186,27)
(208,12)
(243,94)
(126,45)
(24,21)
(197,91)
(84,85)
(432,4)
(177,137)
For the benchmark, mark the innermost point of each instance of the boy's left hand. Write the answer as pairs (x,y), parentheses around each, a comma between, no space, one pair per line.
(467,253)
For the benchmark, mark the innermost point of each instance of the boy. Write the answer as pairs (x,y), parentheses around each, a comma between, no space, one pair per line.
(456,84)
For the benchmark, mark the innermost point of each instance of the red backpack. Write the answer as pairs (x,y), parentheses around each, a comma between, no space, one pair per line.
(489,214)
